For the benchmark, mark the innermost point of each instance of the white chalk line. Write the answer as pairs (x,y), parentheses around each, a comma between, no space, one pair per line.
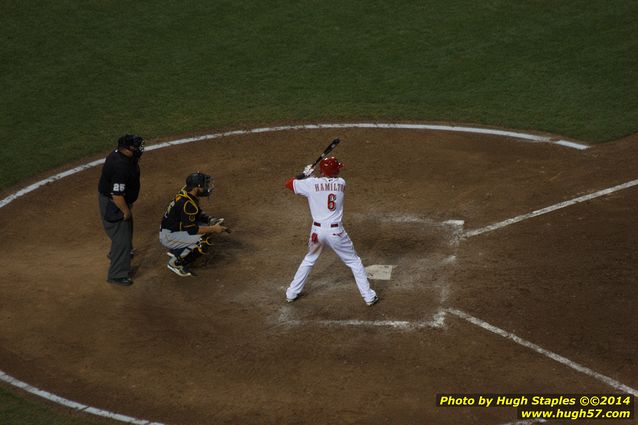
(72,404)
(571,145)
(517,219)
(452,128)
(461,129)
(549,354)
(438,321)
(7,200)
(406,218)
(48,180)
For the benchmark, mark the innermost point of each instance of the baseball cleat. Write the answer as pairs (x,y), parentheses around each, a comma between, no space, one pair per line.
(289,300)
(373,301)
(178,270)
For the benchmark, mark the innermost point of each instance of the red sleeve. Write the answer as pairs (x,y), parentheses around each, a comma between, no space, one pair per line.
(289,184)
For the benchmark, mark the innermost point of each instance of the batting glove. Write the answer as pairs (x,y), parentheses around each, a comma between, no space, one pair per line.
(308,170)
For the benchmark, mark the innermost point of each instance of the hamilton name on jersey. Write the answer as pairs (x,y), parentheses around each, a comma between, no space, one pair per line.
(329,187)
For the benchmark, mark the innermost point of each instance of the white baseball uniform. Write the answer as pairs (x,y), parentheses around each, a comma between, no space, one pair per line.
(325,198)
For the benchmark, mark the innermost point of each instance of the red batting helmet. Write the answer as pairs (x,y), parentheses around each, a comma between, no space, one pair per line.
(330,166)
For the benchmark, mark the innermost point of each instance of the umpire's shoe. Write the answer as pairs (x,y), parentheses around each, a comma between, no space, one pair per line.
(122,281)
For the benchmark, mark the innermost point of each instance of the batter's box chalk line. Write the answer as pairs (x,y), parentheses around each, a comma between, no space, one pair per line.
(453,229)
(286,318)
(384,271)
(407,218)
(454,226)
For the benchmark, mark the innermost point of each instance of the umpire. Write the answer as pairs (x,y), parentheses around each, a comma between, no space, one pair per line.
(118,189)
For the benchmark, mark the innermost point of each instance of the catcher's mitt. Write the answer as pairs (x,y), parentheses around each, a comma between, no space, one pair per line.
(213,221)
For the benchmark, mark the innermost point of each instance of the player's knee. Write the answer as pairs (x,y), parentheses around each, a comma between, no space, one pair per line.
(204,244)
(207,239)
(309,261)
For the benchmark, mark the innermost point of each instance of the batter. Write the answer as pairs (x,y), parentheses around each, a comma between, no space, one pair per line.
(325,197)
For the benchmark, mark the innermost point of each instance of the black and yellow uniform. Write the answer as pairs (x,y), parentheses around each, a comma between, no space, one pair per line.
(184,214)
(179,230)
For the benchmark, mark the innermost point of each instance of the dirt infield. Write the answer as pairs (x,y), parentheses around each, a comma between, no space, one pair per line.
(224,347)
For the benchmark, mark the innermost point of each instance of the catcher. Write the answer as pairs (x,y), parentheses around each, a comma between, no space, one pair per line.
(186,230)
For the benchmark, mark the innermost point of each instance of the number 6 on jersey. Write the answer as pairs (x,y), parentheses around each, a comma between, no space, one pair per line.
(332,202)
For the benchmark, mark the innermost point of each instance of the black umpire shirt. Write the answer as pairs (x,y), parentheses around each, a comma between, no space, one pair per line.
(120,176)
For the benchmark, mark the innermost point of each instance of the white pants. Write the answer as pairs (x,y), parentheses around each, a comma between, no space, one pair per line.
(339,241)
(175,241)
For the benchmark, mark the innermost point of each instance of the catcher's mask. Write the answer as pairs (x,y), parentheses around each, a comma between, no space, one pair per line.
(201,180)
(330,166)
(132,142)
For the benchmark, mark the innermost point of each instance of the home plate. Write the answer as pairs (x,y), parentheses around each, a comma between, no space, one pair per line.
(379,272)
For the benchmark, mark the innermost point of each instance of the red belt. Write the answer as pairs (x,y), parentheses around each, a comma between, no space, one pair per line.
(332,225)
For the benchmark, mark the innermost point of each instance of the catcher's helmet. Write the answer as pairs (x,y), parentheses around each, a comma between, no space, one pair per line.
(199,180)
(330,166)
(132,142)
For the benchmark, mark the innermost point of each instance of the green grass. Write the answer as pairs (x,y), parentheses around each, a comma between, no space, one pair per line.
(74,78)
(76,75)
(17,411)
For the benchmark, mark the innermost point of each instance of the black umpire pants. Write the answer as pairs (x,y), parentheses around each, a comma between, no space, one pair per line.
(121,235)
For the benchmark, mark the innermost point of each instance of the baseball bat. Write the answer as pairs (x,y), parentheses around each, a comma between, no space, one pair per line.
(329,149)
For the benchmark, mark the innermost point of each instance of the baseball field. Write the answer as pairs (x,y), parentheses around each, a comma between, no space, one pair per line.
(491,151)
